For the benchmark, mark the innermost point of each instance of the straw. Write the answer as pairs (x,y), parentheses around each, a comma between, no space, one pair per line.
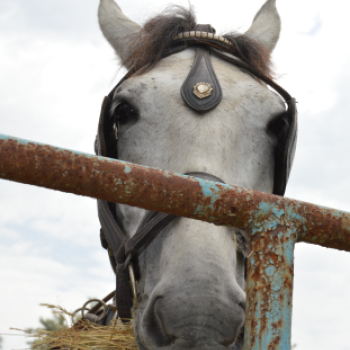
(84,335)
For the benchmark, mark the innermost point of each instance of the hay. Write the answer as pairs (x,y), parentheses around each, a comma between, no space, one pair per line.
(84,335)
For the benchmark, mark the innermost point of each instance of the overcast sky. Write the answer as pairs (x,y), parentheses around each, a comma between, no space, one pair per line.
(55,68)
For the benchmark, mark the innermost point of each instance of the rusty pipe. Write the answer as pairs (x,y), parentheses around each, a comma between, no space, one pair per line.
(153,189)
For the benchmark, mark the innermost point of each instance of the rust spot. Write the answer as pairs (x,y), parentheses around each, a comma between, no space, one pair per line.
(269,279)
(274,343)
(277,325)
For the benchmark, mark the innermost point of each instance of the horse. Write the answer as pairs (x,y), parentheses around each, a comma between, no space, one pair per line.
(196,103)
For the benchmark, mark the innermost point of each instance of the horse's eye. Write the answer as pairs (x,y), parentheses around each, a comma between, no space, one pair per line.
(125,113)
(278,126)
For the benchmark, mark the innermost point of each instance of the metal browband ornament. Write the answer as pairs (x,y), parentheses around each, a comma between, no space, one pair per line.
(202,35)
(202,90)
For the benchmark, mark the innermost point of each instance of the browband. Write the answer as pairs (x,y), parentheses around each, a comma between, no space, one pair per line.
(202,36)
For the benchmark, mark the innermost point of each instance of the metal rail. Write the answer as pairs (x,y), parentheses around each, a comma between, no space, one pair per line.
(274,223)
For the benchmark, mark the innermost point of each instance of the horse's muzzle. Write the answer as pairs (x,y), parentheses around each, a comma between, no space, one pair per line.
(176,320)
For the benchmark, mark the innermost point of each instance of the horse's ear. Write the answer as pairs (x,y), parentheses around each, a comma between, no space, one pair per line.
(266,25)
(117,28)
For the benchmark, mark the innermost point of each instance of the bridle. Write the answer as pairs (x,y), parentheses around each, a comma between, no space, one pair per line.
(123,251)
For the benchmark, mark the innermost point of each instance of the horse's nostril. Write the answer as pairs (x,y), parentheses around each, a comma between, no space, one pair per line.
(242,304)
(153,325)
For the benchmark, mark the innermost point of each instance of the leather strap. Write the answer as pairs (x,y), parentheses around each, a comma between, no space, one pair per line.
(116,238)
(286,144)
(146,233)
(205,28)
(239,63)
(110,228)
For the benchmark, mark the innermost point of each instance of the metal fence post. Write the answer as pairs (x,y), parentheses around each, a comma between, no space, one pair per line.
(270,283)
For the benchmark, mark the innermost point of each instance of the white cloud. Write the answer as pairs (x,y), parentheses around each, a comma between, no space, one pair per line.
(6,233)
(29,279)
(321,307)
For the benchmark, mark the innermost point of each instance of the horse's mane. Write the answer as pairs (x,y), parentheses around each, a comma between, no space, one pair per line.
(158,32)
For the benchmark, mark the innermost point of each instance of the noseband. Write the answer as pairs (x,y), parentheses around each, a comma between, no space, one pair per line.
(202,92)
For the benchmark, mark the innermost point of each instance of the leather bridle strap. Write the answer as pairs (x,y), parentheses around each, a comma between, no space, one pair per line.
(111,230)
(124,250)
(239,63)
(153,223)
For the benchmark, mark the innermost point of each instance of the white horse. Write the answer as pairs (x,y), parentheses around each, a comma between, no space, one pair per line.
(191,284)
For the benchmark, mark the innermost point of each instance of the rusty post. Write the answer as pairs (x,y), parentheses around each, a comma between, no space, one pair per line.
(270,283)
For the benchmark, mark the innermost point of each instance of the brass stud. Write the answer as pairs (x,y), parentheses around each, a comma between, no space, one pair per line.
(202,90)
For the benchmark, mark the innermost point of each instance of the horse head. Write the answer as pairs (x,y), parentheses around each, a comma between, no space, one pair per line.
(186,108)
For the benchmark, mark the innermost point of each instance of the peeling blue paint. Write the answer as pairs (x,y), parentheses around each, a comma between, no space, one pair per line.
(127,169)
(270,270)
